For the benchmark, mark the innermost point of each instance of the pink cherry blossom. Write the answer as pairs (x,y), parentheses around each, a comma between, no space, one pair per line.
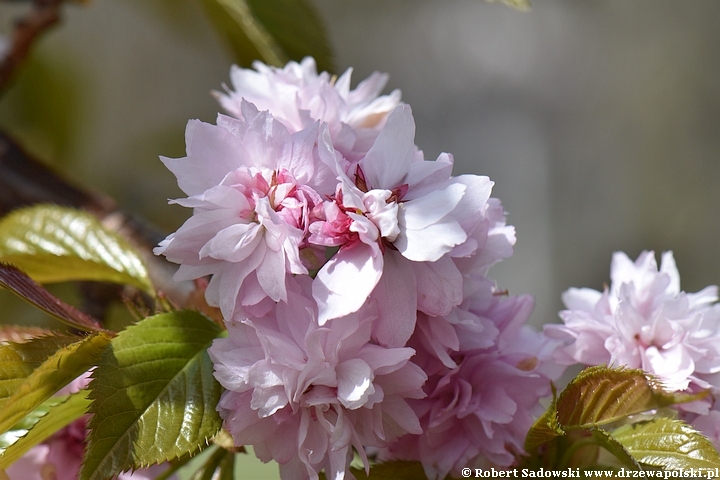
(297,96)
(252,187)
(487,372)
(307,395)
(643,320)
(397,219)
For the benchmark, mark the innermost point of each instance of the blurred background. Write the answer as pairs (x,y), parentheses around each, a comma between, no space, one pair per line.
(599,121)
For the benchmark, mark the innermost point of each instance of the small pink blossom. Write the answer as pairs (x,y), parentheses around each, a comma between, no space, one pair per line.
(252,187)
(487,371)
(397,219)
(306,395)
(643,320)
(297,96)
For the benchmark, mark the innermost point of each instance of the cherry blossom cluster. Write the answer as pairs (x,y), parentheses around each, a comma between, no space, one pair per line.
(351,274)
(644,320)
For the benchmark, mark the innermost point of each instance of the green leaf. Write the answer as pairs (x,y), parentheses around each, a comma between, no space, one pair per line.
(545,428)
(219,466)
(29,381)
(609,443)
(522,5)
(56,244)
(154,395)
(273,31)
(602,395)
(23,286)
(40,424)
(667,443)
(18,360)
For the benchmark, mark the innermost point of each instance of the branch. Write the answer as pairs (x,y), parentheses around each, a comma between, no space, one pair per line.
(43,15)
(25,181)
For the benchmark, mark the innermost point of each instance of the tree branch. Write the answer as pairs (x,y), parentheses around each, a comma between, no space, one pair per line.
(25,181)
(43,15)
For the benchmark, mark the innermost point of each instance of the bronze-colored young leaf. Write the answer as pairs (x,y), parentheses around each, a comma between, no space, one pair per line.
(57,370)
(40,424)
(601,395)
(23,286)
(667,443)
(56,244)
(273,31)
(154,395)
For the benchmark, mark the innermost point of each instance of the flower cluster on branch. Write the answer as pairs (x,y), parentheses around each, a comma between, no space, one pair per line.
(351,275)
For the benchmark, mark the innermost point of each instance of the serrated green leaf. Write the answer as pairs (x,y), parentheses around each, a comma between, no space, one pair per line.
(154,395)
(667,443)
(273,31)
(18,360)
(609,443)
(26,288)
(40,424)
(57,370)
(56,244)
(602,395)
(545,428)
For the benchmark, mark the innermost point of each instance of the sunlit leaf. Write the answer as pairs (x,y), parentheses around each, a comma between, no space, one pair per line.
(601,395)
(667,443)
(24,286)
(40,424)
(18,360)
(55,244)
(29,389)
(27,381)
(522,5)
(154,395)
(273,31)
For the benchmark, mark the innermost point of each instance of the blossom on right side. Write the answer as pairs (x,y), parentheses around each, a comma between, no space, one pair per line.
(487,370)
(643,320)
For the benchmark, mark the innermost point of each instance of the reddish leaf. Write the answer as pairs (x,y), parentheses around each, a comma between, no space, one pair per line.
(22,285)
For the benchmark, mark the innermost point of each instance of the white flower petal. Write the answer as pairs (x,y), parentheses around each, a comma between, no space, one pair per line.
(355,385)
(346,280)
